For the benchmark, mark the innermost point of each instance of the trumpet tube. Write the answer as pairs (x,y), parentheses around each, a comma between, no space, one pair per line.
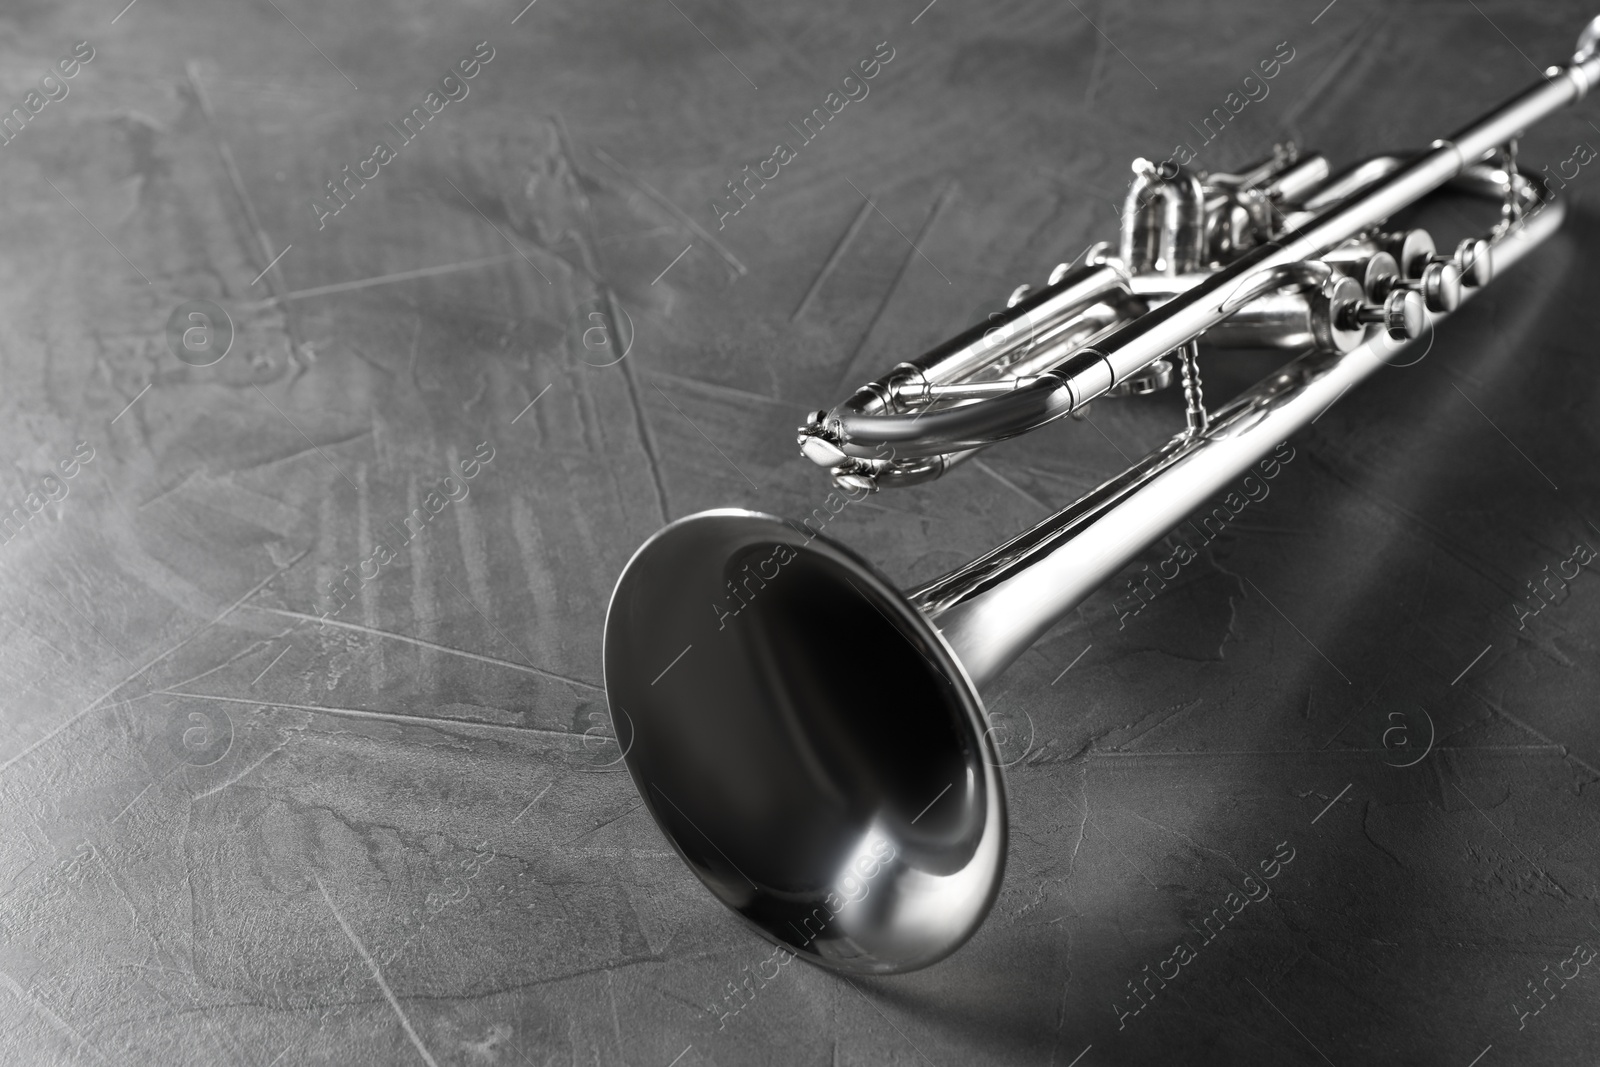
(1030,322)
(993,608)
(815,747)
(1094,370)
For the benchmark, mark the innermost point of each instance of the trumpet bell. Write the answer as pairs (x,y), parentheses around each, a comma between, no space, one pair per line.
(807,742)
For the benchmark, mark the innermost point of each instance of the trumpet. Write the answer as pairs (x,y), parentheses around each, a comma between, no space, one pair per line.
(815,746)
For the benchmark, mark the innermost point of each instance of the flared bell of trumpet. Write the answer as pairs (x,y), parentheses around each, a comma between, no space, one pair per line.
(806,741)
(811,740)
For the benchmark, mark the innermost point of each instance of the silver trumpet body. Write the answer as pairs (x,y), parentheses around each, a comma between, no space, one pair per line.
(812,740)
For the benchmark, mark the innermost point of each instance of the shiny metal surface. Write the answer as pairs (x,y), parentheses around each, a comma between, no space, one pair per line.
(1030,324)
(993,608)
(824,763)
(286,782)
(847,805)
(1154,219)
(1163,221)
(827,715)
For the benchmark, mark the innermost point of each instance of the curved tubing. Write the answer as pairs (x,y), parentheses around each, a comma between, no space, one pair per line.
(993,608)
(1134,346)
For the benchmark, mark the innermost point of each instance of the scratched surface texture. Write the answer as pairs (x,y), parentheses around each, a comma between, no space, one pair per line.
(233,835)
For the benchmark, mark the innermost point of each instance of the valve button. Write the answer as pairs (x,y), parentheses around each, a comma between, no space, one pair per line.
(1441,286)
(1475,260)
(1405,315)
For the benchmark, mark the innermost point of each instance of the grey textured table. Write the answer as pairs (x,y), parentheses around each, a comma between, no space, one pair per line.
(235,832)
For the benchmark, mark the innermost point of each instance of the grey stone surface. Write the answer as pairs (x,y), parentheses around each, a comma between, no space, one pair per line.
(232,835)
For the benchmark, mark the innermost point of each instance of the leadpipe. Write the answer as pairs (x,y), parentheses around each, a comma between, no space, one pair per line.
(1094,370)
